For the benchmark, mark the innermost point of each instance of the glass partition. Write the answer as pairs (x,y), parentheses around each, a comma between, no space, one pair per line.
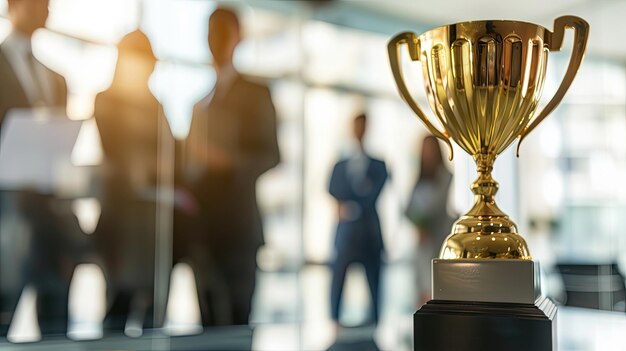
(105,216)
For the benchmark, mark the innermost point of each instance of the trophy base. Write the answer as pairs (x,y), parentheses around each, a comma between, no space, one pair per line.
(485,326)
(496,280)
(485,305)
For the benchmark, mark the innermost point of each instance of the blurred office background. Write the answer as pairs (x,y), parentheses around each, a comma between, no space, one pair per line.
(325,62)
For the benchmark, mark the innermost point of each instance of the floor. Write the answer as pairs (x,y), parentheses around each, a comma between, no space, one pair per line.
(290,313)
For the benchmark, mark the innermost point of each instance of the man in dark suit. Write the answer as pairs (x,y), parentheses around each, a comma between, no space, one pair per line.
(356,183)
(231,142)
(26,83)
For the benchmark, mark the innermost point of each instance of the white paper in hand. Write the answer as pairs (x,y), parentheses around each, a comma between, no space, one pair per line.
(34,145)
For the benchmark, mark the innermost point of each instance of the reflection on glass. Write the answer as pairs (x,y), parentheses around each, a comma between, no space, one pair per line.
(319,74)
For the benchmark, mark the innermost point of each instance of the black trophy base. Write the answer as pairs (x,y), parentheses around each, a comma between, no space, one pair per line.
(485,326)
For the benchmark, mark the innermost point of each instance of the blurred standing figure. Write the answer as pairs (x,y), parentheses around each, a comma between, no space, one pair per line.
(132,127)
(356,183)
(231,142)
(26,83)
(428,211)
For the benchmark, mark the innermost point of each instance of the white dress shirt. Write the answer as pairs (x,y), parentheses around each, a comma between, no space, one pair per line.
(357,172)
(225,79)
(34,78)
(357,166)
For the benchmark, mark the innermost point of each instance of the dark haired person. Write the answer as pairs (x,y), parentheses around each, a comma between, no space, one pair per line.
(428,211)
(49,263)
(132,129)
(231,142)
(26,82)
(356,183)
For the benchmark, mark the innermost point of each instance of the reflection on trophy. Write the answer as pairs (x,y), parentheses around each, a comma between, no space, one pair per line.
(483,81)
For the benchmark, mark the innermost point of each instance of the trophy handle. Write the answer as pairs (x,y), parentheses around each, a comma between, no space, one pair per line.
(413,44)
(581,33)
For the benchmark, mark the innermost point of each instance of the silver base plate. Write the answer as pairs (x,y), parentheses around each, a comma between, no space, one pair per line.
(494,280)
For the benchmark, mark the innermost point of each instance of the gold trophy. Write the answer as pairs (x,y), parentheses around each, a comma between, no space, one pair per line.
(483,81)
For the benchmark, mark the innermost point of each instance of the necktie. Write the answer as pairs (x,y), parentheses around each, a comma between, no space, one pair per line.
(37,91)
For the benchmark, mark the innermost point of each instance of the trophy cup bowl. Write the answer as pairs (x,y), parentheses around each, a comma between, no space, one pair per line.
(483,81)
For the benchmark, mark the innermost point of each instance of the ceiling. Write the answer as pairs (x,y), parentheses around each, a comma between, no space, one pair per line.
(607,34)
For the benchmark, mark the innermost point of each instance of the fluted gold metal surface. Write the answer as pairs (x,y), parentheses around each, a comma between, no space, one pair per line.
(484,81)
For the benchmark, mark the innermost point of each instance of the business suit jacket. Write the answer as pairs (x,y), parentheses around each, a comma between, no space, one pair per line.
(360,232)
(240,122)
(131,128)
(51,255)
(45,249)
(12,94)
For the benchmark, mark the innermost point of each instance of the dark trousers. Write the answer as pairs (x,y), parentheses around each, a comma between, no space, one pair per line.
(225,279)
(371,263)
(128,304)
(47,268)
(226,286)
(223,258)
(8,303)
(52,310)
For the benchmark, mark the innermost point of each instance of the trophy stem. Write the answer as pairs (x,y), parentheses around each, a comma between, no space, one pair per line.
(485,189)
(485,232)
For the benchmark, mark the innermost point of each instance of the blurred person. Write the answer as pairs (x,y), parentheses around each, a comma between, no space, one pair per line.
(231,142)
(428,211)
(356,183)
(26,82)
(132,126)
(50,260)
